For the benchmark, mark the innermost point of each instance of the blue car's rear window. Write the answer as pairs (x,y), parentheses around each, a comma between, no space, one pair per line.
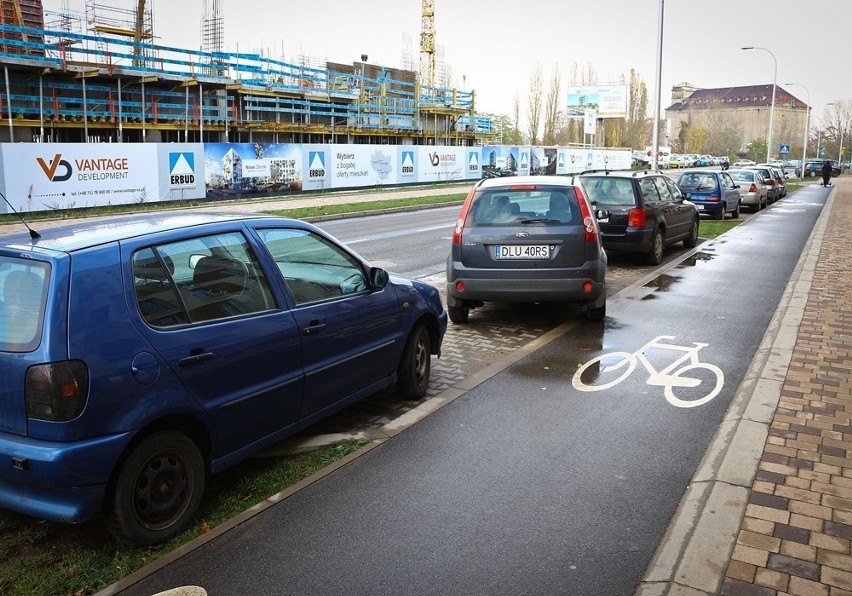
(23,293)
(697,181)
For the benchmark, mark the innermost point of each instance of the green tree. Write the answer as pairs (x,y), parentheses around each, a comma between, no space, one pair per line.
(697,138)
(757,150)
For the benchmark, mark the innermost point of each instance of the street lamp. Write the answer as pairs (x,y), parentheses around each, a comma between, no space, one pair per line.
(772,105)
(361,87)
(655,133)
(819,152)
(807,124)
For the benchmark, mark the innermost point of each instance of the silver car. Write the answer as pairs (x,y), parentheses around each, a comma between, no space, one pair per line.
(752,187)
(526,239)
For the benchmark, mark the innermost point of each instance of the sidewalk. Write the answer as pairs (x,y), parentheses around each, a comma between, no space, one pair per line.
(769,510)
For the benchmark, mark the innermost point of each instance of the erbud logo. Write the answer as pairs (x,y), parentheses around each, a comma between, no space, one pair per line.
(316,164)
(473,161)
(51,170)
(181,169)
(407,163)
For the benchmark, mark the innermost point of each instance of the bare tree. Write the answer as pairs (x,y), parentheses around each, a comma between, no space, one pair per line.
(534,106)
(516,116)
(637,112)
(551,107)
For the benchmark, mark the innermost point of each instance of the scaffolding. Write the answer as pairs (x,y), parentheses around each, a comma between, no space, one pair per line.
(27,14)
(70,86)
(213,33)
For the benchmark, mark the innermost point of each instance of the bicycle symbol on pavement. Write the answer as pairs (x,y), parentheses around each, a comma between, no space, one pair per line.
(670,377)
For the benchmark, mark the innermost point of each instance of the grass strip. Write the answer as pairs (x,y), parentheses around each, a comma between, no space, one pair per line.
(47,558)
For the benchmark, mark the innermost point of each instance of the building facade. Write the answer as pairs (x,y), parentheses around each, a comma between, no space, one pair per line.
(743,110)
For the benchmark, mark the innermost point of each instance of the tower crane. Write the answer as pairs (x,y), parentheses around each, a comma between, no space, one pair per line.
(427,44)
(139,30)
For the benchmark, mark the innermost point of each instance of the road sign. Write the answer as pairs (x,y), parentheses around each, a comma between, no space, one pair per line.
(785,149)
(822,151)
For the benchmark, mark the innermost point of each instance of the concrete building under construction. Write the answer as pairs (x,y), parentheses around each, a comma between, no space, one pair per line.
(99,77)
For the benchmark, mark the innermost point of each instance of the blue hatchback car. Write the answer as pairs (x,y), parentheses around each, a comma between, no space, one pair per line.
(713,192)
(140,354)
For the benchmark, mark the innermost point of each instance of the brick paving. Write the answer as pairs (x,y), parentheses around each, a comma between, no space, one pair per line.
(796,535)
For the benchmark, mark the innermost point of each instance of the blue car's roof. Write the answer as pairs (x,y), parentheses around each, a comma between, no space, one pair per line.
(87,233)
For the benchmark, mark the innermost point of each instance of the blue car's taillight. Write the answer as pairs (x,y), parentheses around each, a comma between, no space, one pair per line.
(57,391)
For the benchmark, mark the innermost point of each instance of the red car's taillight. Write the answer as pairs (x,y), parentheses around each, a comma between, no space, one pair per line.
(459,229)
(590,227)
(57,391)
(636,218)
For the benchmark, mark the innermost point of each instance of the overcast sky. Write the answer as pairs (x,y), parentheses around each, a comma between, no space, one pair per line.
(492,46)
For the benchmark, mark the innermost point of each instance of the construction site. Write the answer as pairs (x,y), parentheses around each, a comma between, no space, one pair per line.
(100,77)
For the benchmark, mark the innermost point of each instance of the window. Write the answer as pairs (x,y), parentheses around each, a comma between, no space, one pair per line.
(505,206)
(673,188)
(610,191)
(313,268)
(23,290)
(648,190)
(662,189)
(197,280)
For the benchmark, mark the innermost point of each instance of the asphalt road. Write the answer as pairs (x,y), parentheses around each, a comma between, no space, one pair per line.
(526,484)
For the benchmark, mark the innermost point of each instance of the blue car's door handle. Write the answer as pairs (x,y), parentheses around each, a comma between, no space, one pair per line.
(196,359)
(314,327)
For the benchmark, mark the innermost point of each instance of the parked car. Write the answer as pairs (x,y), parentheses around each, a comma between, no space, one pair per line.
(752,188)
(690,160)
(677,161)
(724,161)
(713,192)
(703,161)
(813,168)
(140,354)
(773,191)
(743,163)
(779,177)
(786,170)
(527,239)
(793,166)
(645,212)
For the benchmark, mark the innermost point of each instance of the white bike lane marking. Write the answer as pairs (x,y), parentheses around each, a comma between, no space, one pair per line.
(596,374)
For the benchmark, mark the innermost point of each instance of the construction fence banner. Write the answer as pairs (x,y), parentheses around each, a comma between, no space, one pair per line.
(234,169)
(57,176)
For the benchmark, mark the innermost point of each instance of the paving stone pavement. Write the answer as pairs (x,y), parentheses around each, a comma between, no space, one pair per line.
(796,535)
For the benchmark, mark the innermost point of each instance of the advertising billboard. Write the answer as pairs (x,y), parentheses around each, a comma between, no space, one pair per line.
(607,101)
(439,163)
(51,176)
(181,171)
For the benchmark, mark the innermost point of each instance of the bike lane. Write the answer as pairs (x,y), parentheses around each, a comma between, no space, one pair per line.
(526,484)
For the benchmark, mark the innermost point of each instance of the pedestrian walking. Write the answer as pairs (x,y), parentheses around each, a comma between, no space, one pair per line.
(826,173)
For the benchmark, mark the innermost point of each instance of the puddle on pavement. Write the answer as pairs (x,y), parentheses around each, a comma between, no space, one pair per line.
(662,283)
(699,257)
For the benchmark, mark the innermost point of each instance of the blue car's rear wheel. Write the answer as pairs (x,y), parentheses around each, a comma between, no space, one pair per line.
(157,489)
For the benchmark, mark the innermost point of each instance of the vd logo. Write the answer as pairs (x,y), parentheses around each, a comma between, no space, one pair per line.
(52,170)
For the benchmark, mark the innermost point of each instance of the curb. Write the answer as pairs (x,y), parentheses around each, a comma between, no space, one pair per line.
(696,549)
